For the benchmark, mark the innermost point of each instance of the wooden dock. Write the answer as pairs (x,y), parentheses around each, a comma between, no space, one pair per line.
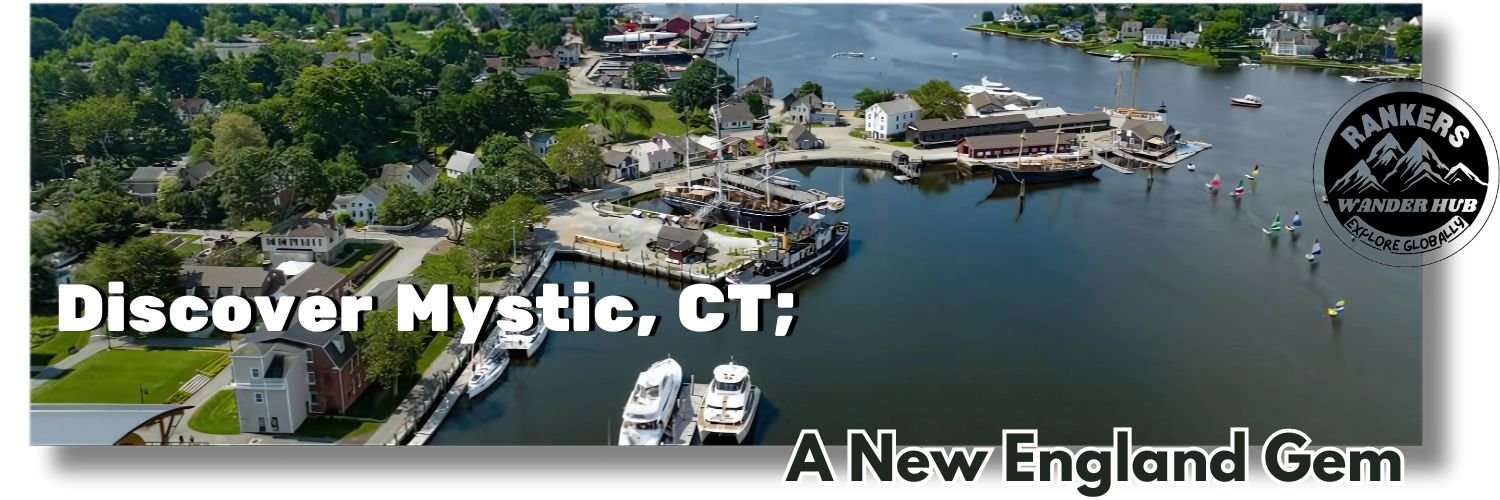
(797,196)
(684,424)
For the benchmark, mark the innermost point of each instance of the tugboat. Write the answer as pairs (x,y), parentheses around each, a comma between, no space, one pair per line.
(799,255)
(729,408)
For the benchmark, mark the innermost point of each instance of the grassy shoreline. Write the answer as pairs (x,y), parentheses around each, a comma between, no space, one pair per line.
(1194,57)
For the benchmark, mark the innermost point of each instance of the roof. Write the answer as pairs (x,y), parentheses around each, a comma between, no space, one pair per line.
(981,99)
(357,57)
(223,276)
(1154,31)
(795,132)
(385,292)
(318,277)
(736,112)
(535,50)
(1006,141)
(201,171)
(1147,128)
(932,124)
(422,170)
(1293,7)
(226,50)
(539,137)
(673,235)
(596,131)
(812,100)
(615,158)
(898,106)
(761,83)
(91,424)
(150,174)
(297,334)
(463,162)
(1065,120)
(304,227)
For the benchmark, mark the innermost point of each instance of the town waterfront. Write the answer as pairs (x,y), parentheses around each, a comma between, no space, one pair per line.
(1128,301)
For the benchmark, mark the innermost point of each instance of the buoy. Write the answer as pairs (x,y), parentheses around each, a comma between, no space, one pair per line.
(955,54)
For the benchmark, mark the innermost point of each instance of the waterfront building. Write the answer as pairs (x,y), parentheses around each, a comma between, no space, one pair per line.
(811,108)
(1153,138)
(281,377)
(1010,145)
(1154,37)
(734,116)
(800,136)
(938,132)
(303,239)
(682,245)
(888,120)
(985,104)
(1130,30)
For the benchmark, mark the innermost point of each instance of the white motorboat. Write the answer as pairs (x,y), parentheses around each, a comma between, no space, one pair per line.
(710,18)
(736,26)
(729,407)
(849,54)
(662,49)
(640,36)
(1249,101)
(1350,78)
(651,404)
(491,363)
(528,341)
(1118,57)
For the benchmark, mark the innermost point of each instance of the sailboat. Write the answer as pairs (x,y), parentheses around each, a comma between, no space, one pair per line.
(1253,172)
(1213,185)
(1240,189)
(1337,309)
(1296,223)
(1275,226)
(1317,250)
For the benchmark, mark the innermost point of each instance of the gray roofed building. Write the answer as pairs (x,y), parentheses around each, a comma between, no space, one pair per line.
(338,343)
(318,279)
(1155,31)
(375,193)
(212,282)
(384,292)
(1147,128)
(304,227)
(801,137)
(900,106)
(104,424)
(1008,141)
(356,57)
(230,50)
(735,116)
(420,175)
(1090,120)
(936,124)
(597,134)
(199,172)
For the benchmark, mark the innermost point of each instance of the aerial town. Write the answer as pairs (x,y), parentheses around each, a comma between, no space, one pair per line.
(289,150)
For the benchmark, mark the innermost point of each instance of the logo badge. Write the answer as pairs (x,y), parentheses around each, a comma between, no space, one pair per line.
(1405,172)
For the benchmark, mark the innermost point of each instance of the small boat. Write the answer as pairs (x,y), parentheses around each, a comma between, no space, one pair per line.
(1296,223)
(640,37)
(955,54)
(901,178)
(651,404)
(528,341)
(493,360)
(835,203)
(849,54)
(1275,226)
(1213,185)
(1245,62)
(1118,57)
(1337,309)
(1253,172)
(729,407)
(1317,249)
(1350,78)
(1239,190)
(710,18)
(736,26)
(1249,101)
(1191,167)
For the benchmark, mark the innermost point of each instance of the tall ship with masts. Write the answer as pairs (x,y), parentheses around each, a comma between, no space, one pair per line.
(736,199)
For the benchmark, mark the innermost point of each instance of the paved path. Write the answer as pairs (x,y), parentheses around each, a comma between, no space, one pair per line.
(56,370)
(414,247)
(431,386)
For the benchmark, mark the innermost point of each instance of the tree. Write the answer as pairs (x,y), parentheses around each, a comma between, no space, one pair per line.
(511,167)
(549,90)
(1409,42)
(456,199)
(646,76)
(402,206)
(701,83)
(97,123)
(939,99)
(454,268)
(810,88)
(576,157)
(248,184)
(43,285)
(389,353)
(503,226)
(88,220)
(297,169)
(867,97)
(233,131)
(343,174)
(506,106)
(450,121)
(1219,35)
(451,44)
(757,104)
(987,16)
(45,36)
(147,266)
(617,113)
(454,79)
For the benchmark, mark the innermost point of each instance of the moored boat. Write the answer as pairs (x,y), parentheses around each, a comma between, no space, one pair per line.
(729,407)
(491,364)
(1249,101)
(796,256)
(528,341)
(1043,168)
(651,404)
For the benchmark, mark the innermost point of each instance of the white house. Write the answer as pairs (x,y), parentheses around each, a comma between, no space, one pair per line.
(541,142)
(653,155)
(270,381)
(888,120)
(571,50)
(462,163)
(1290,42)
(187,109)
(306,240)
(361,206)
(1154,37)
(734,116)
(420,175)
(619,166)
(1302,16)
(1190,39)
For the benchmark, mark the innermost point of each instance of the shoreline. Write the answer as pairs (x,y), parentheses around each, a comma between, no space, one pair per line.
(1090,48)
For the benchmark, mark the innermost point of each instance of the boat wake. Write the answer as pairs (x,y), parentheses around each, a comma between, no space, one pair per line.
(773,39)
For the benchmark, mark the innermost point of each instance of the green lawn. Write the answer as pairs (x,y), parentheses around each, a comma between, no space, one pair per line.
(1191,56)
(434,348)
(666,121)
(218,415)
(734,232)
(43,321)
(901,144)
(50,346)
(1010,29)
(362,253)
(406,34)
(117,376)
(328,427)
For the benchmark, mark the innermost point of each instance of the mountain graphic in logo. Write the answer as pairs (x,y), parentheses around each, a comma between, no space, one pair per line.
(1390,168)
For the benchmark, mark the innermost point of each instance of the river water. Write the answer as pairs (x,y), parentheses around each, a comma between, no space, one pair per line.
(962,311)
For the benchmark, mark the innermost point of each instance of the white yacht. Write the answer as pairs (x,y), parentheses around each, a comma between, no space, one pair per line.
(651,404)
(491,361)
(528,341)
(729,408)
(985,85)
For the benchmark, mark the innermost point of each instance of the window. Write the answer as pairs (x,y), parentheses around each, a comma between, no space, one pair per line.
(310,379)
(313,397)
(255,373)
(260,398)
(275,424)
(307,355)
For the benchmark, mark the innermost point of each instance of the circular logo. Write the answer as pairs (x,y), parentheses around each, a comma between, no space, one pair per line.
(1404,172)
